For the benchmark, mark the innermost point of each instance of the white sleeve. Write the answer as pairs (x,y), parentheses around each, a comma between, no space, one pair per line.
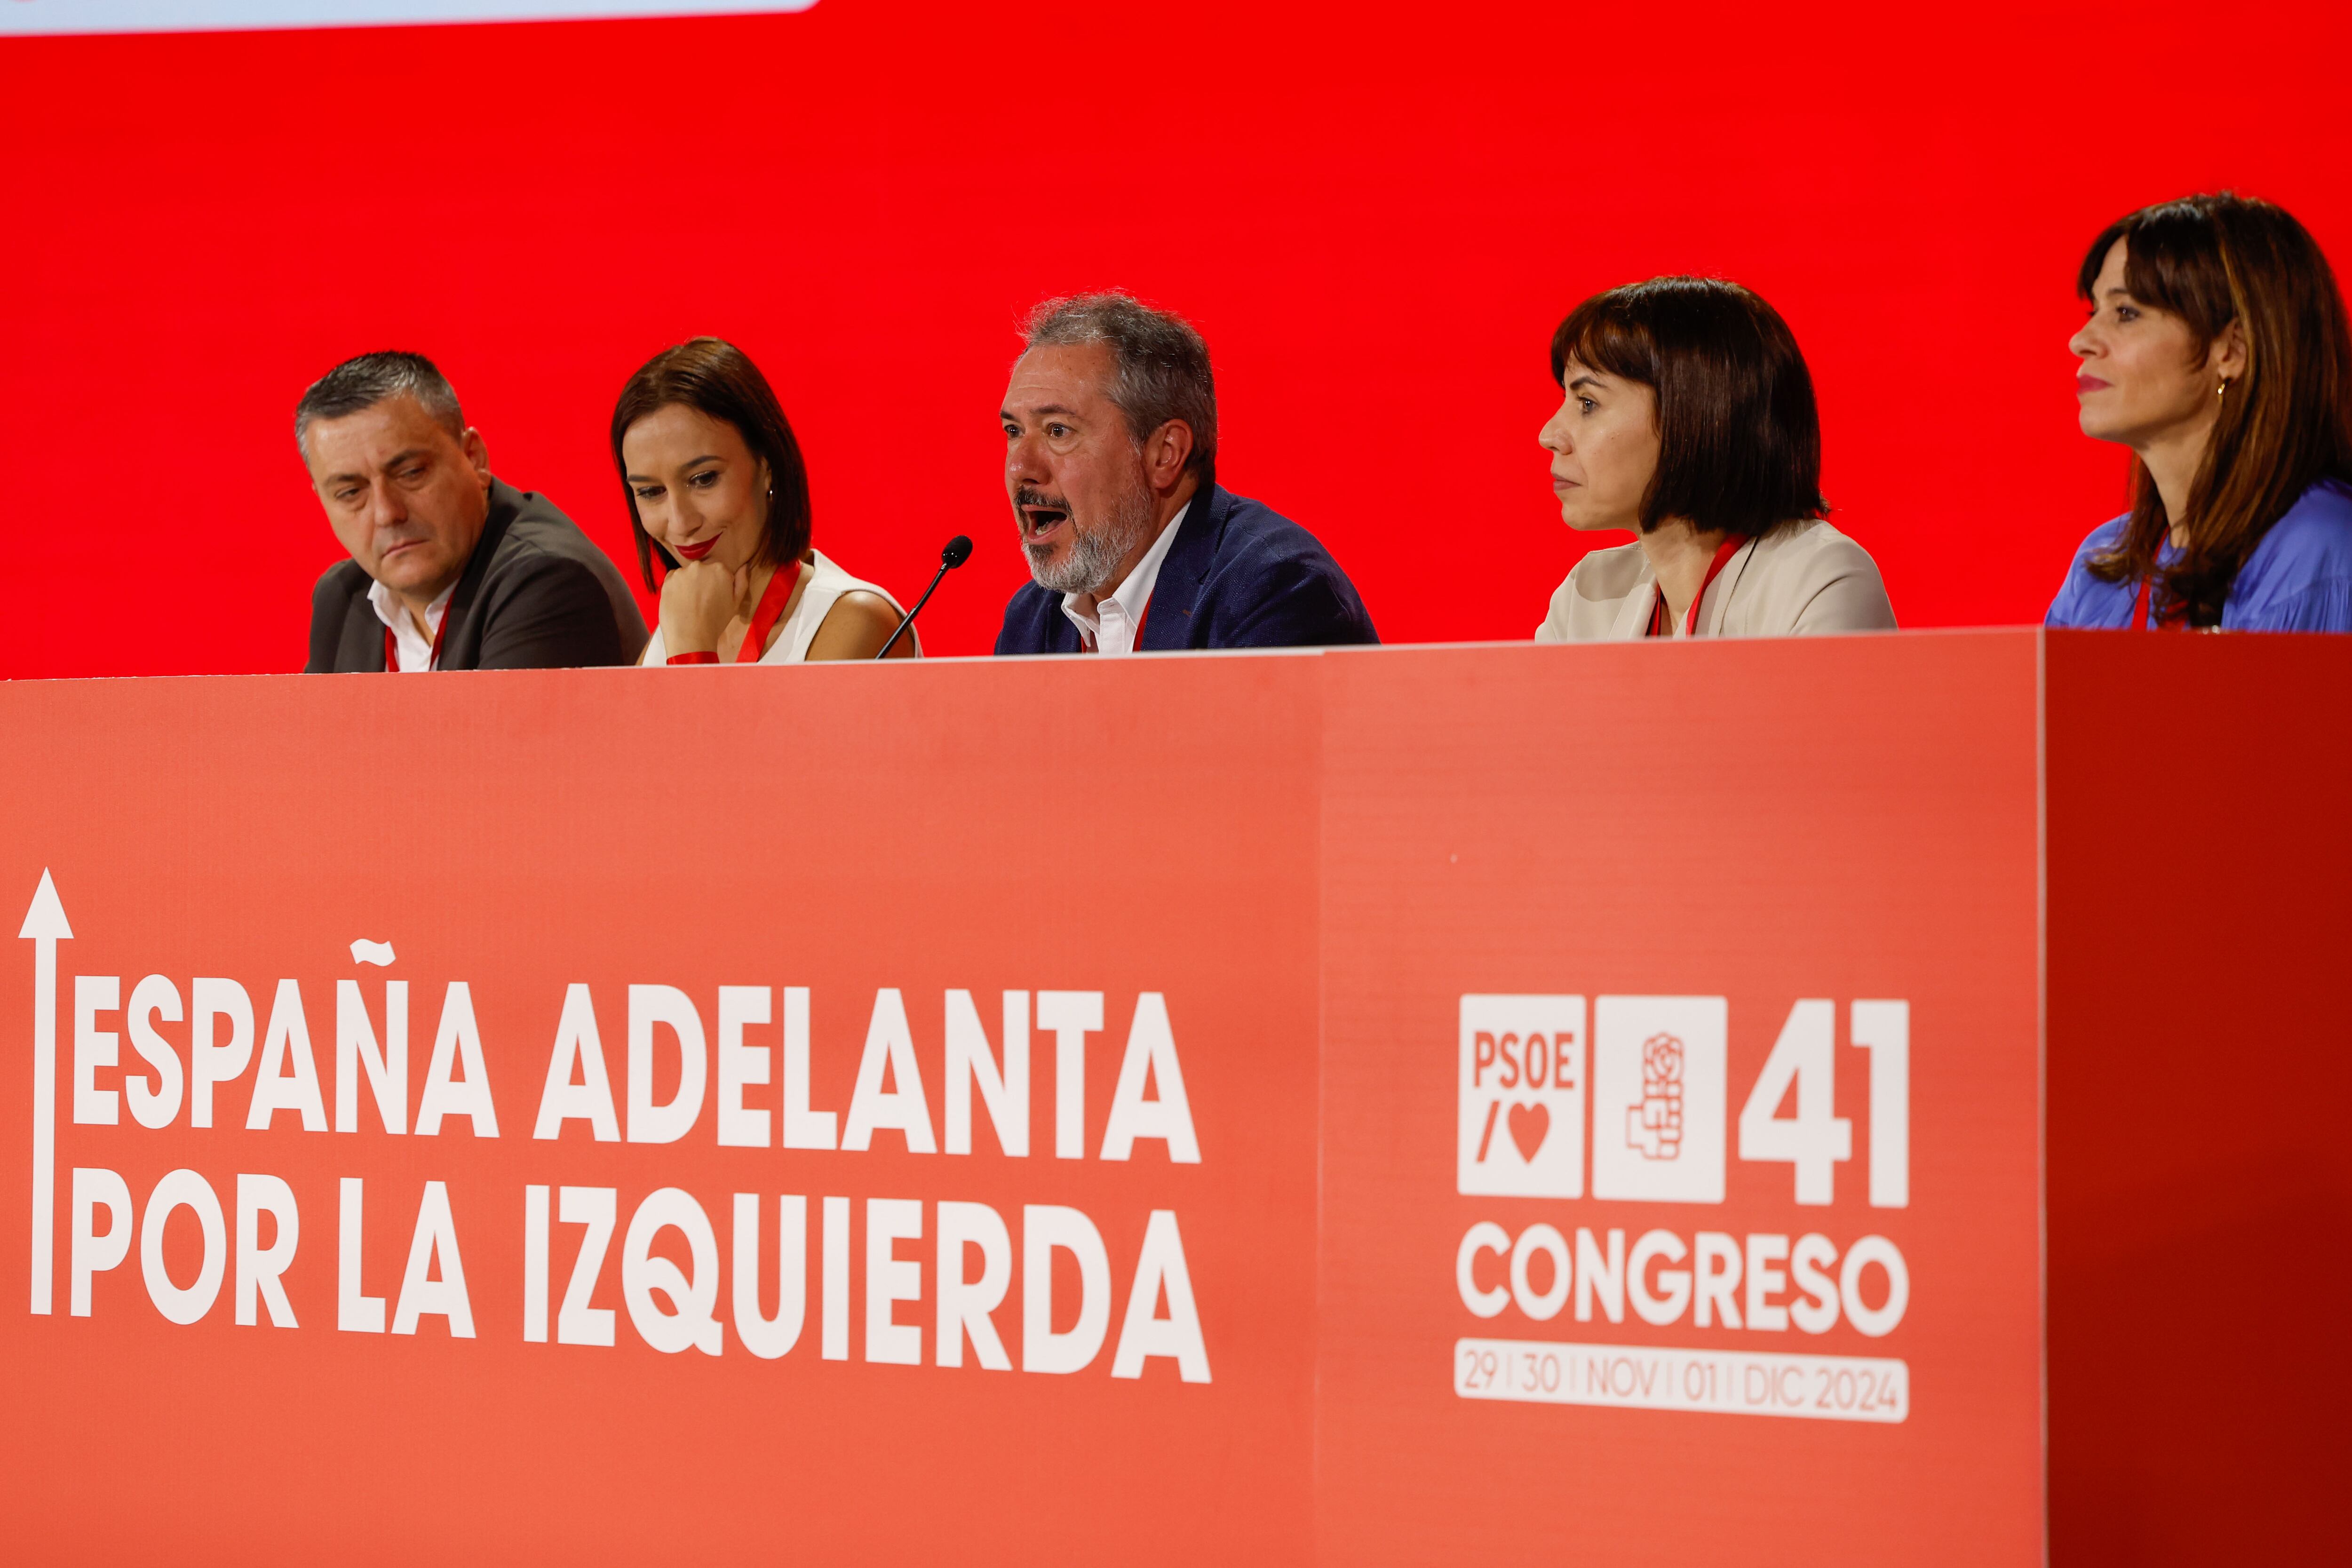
(1553,627)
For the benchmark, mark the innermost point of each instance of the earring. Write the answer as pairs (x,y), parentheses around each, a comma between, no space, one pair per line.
(2222,390)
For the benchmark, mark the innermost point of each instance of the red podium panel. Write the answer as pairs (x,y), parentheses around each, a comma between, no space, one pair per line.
(1773,853)
(1427,1105)
(2199,1181)
(1135,839)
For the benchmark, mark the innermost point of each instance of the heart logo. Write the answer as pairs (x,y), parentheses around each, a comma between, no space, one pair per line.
(1529,1124)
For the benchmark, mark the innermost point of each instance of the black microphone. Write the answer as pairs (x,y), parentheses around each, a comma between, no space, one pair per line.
(957,551)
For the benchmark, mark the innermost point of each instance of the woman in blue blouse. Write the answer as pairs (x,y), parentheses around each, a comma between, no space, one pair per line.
(2217,352)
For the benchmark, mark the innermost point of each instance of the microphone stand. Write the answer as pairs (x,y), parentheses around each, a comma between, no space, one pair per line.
(957,551)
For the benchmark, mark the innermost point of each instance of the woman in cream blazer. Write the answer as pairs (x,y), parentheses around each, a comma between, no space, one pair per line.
(1688,418)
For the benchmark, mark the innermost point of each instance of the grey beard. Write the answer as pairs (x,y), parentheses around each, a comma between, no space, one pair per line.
(1096,553)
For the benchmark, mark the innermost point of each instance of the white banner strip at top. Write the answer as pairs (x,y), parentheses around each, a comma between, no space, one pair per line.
(28,16)
(1651,1377)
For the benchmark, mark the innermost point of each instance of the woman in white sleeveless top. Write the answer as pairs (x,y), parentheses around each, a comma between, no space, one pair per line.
(716,490)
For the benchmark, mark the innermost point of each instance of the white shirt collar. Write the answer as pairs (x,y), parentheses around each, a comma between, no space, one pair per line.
(416,653)
(1113,626)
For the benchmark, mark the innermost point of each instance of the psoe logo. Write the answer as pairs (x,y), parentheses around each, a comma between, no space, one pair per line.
(1658,1098)
(1522,1097)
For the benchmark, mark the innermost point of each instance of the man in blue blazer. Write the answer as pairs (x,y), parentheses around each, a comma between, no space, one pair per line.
(1110,433)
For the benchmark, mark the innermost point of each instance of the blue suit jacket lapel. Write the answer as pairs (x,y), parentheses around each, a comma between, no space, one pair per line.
(1184,572)
(1061,637)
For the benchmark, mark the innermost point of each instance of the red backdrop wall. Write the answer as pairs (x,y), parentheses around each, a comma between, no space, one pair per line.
(1375,213)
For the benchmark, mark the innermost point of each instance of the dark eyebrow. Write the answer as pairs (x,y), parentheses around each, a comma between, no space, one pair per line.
(392,462)
(1584,381)
(1039,412)
(689,463)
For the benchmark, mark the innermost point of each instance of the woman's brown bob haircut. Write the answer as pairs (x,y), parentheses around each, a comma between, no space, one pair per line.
(714,377)
(2284,425)
(1739,439)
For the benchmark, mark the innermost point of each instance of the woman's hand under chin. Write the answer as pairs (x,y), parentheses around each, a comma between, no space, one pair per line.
(700,602)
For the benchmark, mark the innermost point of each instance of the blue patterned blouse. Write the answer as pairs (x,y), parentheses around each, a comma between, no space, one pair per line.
(2299,578)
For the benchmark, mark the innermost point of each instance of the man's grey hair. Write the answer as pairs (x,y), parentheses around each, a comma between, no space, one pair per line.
(365,382)
(1161,365)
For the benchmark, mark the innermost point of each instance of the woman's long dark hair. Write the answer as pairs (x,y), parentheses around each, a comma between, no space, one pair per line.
(2285,426)
(714,377)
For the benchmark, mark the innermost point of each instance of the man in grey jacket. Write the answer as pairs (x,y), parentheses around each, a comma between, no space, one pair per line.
(450,568)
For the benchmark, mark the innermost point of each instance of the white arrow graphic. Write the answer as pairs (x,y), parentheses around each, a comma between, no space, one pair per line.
(44,924)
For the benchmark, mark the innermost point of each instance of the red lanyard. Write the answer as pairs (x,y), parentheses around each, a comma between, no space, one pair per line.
(392,641)
(2140,621)
(1722,554)
(771,609)
(764,616)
